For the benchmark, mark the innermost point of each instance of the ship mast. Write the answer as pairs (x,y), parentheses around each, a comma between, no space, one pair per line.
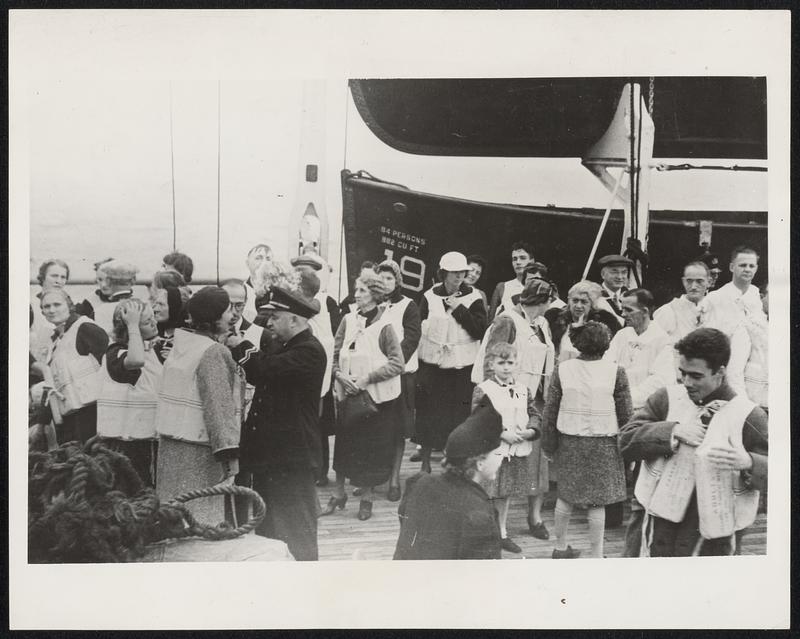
(627,145)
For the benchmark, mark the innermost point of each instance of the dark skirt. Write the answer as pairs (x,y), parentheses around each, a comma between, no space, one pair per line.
(142,454)
(327,418)
(444,397)
(363,452)
(404,406)
(80,425)
(590,470)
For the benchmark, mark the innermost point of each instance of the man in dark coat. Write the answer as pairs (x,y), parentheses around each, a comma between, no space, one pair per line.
(280,443)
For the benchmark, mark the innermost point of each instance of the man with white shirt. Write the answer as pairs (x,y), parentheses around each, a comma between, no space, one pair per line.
(642,348)
(738,298)
(614,271)
(689,311)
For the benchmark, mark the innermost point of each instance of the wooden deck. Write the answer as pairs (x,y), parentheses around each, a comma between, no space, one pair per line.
(343,537)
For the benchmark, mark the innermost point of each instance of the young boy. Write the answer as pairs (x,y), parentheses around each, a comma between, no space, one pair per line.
(520,417)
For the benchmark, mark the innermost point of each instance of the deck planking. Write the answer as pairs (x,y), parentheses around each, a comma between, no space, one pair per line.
(343,537)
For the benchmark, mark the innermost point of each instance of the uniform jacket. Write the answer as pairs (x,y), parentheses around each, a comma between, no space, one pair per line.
(446,516)
(280,432)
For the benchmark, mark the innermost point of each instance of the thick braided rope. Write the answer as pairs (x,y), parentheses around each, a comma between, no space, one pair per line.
(87,503)
(221,532)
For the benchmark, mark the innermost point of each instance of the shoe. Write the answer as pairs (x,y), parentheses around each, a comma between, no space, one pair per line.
(415,457)
(538,530)
(322,482)
(364,510)
(507,544)
(357,492)
(569,553)
(393,494)
(425,468)
(333,504)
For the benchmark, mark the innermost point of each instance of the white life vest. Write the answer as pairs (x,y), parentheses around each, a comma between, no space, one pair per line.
(320,326)
(444,342)
(566,349)
(366,357)
(180,409)
(394,313)
(510,288)
(587,402)
(104,315)
(513,411)
(756,371)
(74,375)
(126,411)
(534,358)
(665,485)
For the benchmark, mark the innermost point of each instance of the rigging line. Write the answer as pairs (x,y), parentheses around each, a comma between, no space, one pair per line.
(686,167)
(172,171)
(639,163)
(631,178)
(341,230)
(219,137)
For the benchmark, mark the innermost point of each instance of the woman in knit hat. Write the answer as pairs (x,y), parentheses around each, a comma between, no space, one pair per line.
(403,313)
(367,356)
(198,418)
(450,516)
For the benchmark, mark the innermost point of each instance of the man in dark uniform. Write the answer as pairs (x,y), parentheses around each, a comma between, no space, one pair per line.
(614,272)
(280,443)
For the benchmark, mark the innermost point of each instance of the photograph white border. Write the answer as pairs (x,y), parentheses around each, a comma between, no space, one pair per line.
(751,591)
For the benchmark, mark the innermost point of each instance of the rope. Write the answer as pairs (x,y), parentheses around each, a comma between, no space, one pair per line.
(632,179)
(172,170)
(209,532)
(341,230)
(712,167)
(219,162)
(602,226)
(88,504)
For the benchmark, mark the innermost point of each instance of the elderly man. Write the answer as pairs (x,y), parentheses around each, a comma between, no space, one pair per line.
(614,271)
(256,256)
(689,311)
(642,348)
(521,256)
(717,443)
(280,444)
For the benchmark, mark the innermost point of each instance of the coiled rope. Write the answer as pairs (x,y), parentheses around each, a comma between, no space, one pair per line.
(87,504)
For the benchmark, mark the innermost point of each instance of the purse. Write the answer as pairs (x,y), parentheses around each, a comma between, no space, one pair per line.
(357,408)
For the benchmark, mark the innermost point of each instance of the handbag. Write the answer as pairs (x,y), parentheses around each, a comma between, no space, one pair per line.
(357,408)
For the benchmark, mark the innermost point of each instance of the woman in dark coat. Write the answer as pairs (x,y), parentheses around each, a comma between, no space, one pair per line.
(450,516)
(366,356)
